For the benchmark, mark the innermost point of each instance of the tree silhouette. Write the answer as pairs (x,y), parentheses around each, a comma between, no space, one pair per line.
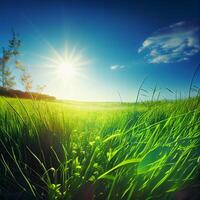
(26,80)
(7,80)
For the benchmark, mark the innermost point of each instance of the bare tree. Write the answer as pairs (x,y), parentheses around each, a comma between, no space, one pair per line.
(40,88)
(25,77)
(27,81)
(7,80)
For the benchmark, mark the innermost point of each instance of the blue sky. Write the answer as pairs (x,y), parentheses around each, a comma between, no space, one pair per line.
(123,42)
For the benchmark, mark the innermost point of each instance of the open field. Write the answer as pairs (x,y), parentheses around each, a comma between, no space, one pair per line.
(75,150)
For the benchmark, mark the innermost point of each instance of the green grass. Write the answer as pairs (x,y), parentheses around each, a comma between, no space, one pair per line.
(75,150)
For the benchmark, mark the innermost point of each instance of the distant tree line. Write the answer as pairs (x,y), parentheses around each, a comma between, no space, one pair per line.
(26,95)
(8,58)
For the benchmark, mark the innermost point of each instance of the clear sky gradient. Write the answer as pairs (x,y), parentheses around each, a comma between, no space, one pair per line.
(123,42)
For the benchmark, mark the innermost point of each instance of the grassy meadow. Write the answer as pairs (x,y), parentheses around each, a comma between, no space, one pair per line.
(95,151)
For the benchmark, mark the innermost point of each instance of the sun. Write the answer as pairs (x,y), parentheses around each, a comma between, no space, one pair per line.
(67,65)
(66,70)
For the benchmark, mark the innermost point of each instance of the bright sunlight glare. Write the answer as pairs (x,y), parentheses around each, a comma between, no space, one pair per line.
(66,70)
(67,65)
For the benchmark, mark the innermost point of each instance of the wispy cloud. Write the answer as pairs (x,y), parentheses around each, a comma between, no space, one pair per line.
(175,43)
(116,67)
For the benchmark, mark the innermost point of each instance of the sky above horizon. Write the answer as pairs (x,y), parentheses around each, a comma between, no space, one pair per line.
(115,45)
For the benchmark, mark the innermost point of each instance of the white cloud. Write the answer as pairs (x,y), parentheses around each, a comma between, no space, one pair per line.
(160,59)
(116,67)
(176,43)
